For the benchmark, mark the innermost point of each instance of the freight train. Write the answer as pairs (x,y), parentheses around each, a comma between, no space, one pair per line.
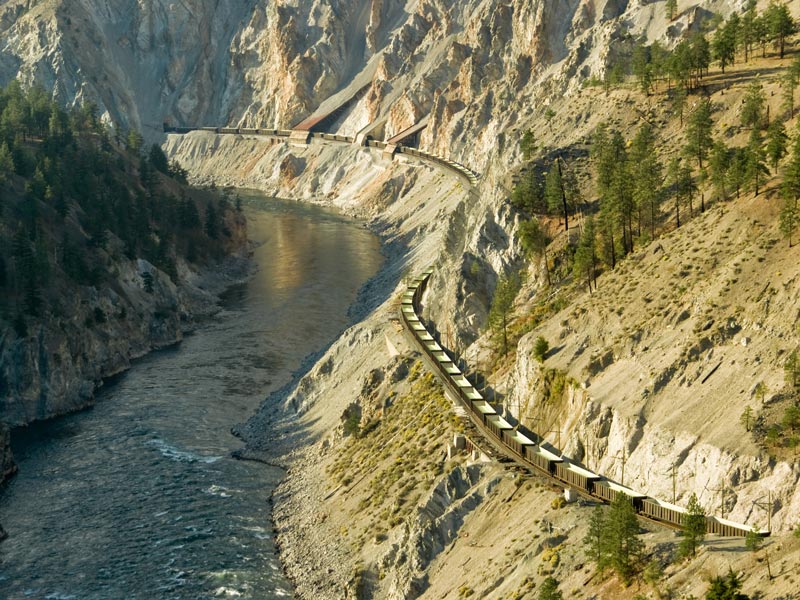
(520,442)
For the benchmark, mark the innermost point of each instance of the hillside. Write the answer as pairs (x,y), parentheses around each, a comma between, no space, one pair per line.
(104,256)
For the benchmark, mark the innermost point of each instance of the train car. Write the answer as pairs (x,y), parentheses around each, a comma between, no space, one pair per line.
(482,409)
(517,441)
(725,528)
(211,129)
(497,425)
(662,511)
(576,476)
(608,490)
(228,130)
(542,458)
(472,395)
(248,131)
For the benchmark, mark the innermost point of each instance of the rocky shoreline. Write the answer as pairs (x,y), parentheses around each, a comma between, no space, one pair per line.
(111,351)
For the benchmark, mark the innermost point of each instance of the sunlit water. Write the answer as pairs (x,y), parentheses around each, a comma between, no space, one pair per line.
(138,497)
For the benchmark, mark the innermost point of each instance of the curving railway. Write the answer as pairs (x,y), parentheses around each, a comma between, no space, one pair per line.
(520,442)
(524,445)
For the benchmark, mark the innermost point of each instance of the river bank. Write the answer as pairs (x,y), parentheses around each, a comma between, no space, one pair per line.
(155,452)
(58,367)
(418,211)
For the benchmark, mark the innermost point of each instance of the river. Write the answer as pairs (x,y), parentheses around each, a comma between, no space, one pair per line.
(138,497)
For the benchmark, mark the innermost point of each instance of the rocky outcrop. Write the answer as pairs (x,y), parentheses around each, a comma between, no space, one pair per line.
(57,365)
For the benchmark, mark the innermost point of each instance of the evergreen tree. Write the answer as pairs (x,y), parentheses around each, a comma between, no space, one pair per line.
(791,175)
(788,85)
(646,177)
(780,25)
(791,371)
(753,106)
(549,590)
(755,166)
(642,69)
(777,140)
(503,302)
(585,260)
(718,162)
(595,536)
(749,31)
(158,159)
(6,163)
(737,170)
(698,133)
(726,588)
(671,8)
(699,56)
(621,541)
(694,527)
(678,101)
(555,194)
(134,141)
(527,145)
(789,217)
(723,44)
(534,240)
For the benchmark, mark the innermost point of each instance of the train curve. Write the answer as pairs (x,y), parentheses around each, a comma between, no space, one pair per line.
(519,442)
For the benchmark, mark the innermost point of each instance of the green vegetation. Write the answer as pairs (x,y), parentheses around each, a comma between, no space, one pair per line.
(502,304)
(726,588)
(397,448)
(549,590)
(77,200)
(753,541)
(612,540)
(694,527)
(540,348)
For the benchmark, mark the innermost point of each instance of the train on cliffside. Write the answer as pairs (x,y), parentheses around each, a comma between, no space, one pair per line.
(520,442)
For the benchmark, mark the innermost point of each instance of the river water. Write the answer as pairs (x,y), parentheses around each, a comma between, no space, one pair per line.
(138,497)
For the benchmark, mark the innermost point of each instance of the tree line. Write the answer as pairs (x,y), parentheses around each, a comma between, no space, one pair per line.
(75,193)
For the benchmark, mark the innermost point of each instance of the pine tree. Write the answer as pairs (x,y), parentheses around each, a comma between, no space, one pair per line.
(694,527)
(777,141)
(503,302)
(755,166)
(534,240)
(621,542)
(554,193)
(698,133)
(593,540)
(753,106)
(646,176)
(788,85)
(790,216)
(791,370)
(527,145)
(726,588)
(780,25)
(737,170)
(549,590)
(718,162)
(6,163)
(671,8)
(585,260)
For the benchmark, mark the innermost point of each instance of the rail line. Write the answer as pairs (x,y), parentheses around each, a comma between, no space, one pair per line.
(518,442)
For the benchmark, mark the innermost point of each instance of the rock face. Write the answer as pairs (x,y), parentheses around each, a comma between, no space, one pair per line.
(56,367)
(467,64)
